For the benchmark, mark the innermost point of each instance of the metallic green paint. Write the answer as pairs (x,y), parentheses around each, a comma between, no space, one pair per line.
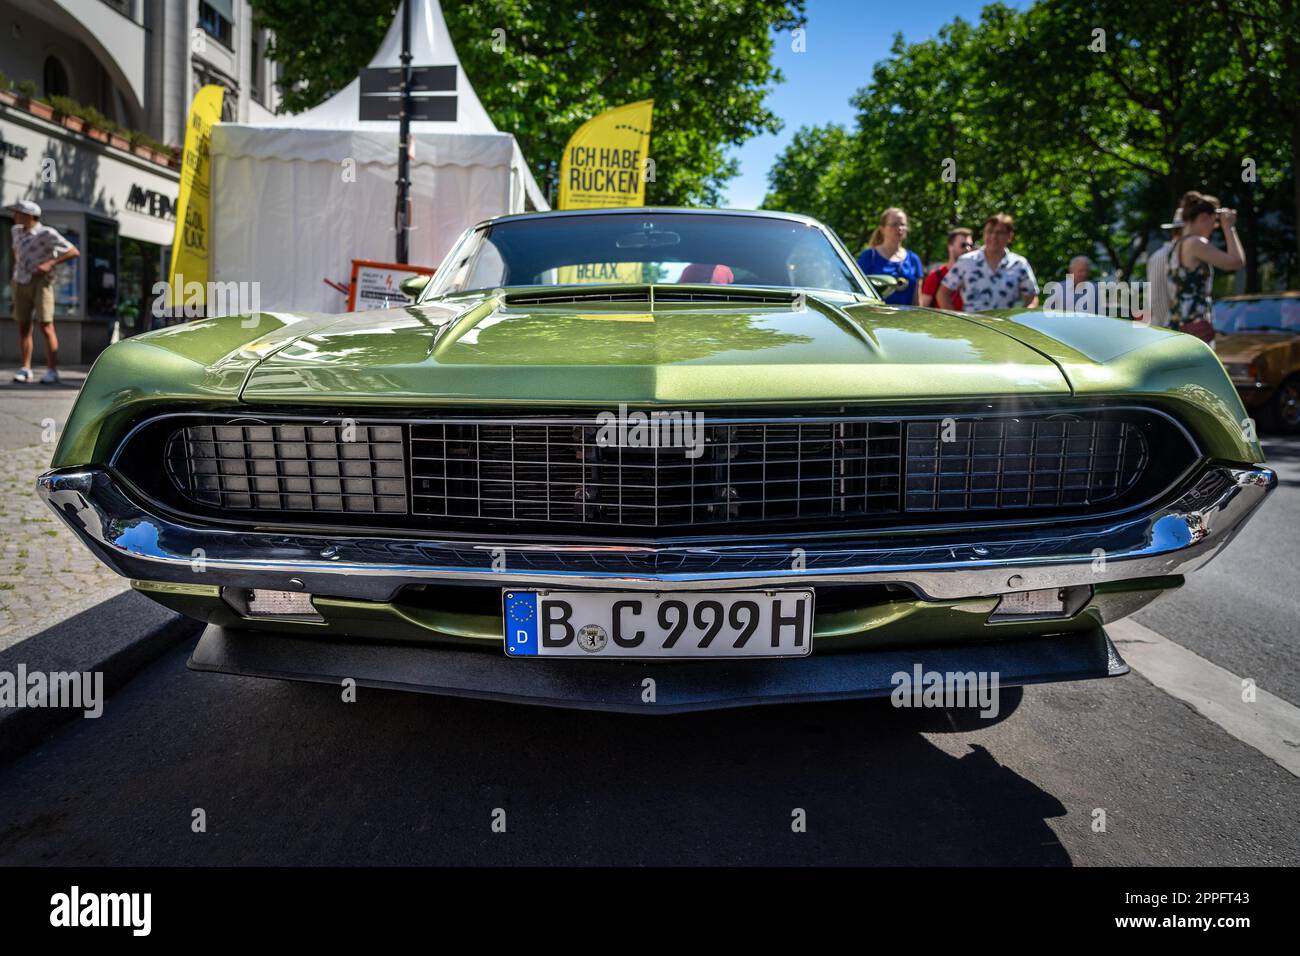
(479,349)
(606,352)
(1106,358)
(200,363)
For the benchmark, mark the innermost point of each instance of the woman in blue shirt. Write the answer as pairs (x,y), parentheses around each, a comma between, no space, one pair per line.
(886,254)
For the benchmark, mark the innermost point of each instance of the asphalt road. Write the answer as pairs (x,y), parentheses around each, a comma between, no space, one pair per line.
(290,774)
(1242,611)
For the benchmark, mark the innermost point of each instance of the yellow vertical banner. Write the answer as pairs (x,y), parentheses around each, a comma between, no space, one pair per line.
(190,246)
(607,159)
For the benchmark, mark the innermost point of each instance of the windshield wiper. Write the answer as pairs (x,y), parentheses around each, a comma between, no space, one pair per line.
(1262,328)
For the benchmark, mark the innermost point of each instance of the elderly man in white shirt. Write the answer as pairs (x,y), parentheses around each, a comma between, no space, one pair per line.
(37,250)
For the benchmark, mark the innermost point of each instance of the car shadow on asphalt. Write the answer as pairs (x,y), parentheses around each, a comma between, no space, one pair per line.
(289,774)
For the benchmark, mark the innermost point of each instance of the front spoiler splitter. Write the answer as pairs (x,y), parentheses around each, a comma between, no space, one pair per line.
(618,686)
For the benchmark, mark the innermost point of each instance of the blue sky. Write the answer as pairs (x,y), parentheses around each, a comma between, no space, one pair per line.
(844,39)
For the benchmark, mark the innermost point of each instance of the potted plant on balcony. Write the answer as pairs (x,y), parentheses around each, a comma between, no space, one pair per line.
(30,101)
(6,91)
(140,144)
(68,112)
(96,124)
(119,137)
(160,153)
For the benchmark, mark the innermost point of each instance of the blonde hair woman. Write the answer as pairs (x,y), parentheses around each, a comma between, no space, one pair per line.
(886,255)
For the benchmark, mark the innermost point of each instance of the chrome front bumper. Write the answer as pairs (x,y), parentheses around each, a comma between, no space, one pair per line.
(1177,537)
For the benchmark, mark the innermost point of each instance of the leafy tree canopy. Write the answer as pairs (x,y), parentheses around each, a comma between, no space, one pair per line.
(1086,119)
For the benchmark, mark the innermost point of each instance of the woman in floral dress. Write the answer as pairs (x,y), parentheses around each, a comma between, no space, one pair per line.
(1192,262)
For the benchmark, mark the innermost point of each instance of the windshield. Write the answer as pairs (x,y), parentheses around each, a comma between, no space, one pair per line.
(1257,315)
(647,246)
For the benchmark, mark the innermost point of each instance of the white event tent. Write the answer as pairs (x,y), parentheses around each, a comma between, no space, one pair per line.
(294,201)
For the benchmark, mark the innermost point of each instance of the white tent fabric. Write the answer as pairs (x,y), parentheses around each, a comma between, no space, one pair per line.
(296,200)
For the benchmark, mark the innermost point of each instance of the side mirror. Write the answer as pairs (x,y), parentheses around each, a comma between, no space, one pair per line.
(887,285)
(414,285)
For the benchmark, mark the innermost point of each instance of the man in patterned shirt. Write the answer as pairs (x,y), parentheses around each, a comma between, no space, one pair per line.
(991,277)
(37,250)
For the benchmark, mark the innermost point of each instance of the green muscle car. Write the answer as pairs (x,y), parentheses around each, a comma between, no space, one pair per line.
(656,460)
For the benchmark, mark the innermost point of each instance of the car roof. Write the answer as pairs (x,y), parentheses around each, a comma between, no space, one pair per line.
(690,210)
(1254,296)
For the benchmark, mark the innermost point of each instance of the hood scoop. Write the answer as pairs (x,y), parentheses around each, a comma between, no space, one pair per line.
(650,294)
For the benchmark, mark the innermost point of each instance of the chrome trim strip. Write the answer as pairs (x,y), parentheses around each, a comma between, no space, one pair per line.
(254,414)
(1172,539)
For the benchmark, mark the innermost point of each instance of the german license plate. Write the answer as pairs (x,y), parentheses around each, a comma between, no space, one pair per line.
(641,624)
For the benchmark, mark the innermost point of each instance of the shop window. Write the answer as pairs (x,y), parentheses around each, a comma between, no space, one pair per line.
(255,71)
(56,77)
(141,269)
(216,19)
(101,268)
(67,277)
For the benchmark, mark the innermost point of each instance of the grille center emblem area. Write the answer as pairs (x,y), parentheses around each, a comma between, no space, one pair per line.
(591,637)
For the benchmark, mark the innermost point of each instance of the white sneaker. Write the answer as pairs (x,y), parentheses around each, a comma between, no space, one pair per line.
(51,377)
(23,375)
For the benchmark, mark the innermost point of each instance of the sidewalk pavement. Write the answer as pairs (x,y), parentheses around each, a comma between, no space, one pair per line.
(46,574)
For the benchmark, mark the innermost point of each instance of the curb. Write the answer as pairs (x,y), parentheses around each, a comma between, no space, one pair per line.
(117,638)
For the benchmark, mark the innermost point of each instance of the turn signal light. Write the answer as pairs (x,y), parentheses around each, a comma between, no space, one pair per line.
(261,603)
(1045,603)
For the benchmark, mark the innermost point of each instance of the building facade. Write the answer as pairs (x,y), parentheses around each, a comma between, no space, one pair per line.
(92,94)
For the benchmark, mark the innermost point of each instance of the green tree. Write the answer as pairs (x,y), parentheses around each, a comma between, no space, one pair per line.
(1086,119)
(542,69)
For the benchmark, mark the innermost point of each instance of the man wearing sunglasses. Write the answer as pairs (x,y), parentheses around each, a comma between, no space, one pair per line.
(960,241)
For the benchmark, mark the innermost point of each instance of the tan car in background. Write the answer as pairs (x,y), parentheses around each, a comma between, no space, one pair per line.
(1258,340)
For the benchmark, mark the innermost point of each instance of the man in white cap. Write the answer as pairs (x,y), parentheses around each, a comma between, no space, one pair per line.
(1158,272)
(37,250)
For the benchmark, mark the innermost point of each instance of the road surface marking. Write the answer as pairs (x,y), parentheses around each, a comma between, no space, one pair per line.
(1269,724)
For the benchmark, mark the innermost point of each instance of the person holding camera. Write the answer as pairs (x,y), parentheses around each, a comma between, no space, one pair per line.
(1192,262)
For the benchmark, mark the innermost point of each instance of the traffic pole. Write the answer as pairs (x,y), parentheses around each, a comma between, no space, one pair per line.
(404,144)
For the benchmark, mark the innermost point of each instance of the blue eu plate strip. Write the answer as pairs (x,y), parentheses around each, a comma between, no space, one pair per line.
(521,623)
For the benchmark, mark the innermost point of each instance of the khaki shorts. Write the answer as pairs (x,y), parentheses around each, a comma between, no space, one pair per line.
(34,299)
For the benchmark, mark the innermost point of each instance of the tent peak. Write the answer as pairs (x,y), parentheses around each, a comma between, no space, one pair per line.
(431,45)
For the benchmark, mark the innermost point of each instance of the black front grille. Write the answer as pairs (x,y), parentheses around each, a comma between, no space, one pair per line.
(676,471)
(1020,463)
(673,474)
(345,467)
(692,474)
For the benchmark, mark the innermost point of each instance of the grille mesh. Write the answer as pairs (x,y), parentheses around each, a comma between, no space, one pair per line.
(763,471)
(350,468)
(676,471)
(1025,463)
(742,472)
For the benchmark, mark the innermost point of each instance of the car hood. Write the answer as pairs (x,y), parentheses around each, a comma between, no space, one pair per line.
(551,348)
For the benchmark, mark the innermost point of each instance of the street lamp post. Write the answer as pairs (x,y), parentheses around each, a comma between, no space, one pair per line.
(404,144)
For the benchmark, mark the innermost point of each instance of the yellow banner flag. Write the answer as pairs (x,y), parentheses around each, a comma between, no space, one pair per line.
(193,204)
(607,160)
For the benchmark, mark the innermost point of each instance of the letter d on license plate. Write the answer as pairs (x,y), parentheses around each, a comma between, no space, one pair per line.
(640,624)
